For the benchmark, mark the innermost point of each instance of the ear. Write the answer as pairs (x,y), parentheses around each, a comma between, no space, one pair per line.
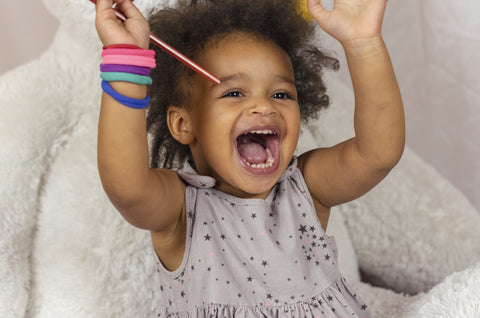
(179,124)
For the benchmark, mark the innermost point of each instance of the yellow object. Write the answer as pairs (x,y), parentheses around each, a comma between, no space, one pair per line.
(303,11)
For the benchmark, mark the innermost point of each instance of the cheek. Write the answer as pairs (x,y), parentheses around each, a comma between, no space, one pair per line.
(293,120)
(204,125)
(215,135)
(293,128)
(294,139)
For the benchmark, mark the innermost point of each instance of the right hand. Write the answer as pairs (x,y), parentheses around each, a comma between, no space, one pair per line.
(350,21)
(135,30)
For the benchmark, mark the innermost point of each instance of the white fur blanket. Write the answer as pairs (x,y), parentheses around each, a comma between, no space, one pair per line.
(65,251)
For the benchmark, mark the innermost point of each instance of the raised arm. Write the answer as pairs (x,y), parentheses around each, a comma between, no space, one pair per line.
(151,199)
(348,170)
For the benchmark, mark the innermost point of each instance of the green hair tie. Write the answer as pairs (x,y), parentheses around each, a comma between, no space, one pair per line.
(126,77)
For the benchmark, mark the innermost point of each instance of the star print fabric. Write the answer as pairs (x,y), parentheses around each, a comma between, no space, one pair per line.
(255,258)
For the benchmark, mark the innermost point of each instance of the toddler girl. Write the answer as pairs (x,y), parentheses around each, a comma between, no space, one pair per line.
(236,219)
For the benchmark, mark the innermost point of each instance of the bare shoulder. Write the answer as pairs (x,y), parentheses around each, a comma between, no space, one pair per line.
(313,165)
(322,211)
(340,174)
(171,200)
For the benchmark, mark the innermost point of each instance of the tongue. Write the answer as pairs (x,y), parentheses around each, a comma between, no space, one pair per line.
(252,152)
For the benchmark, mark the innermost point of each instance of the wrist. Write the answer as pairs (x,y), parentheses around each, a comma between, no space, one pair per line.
(364,48)
(130,90)
(126,72)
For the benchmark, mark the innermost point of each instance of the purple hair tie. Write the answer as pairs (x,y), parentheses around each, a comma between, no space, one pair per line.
(140,70)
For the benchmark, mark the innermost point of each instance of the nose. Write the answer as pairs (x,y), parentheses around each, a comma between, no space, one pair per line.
(262,107)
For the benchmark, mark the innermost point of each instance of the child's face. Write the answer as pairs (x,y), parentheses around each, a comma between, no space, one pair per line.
(245,129)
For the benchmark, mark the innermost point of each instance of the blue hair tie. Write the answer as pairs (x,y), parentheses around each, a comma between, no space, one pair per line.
(124,100)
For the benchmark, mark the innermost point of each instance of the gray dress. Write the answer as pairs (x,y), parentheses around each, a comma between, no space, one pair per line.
(254,257)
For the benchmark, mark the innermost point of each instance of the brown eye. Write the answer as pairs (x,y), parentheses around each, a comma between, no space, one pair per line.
(233,94)
(282,95)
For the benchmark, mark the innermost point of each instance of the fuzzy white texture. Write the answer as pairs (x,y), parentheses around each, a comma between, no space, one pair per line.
(66,252)
(457,296)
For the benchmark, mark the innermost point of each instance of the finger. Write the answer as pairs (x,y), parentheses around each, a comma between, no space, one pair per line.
(129,9)
(103,5)
(104,10)
(315,7)
(105,17)
(318,12)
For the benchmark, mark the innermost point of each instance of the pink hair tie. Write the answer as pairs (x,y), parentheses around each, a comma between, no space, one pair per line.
(135,60)
(119,51)
(122,46)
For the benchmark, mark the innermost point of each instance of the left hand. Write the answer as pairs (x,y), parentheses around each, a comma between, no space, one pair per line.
(135,30)
(350,20)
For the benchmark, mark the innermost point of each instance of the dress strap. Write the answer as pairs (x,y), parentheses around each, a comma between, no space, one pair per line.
(292,166)
(190,176)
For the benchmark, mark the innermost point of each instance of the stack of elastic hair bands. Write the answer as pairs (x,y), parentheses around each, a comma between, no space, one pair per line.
(126,63)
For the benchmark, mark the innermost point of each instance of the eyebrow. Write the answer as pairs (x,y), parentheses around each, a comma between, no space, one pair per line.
(238,76)
(233,77)
(281,78)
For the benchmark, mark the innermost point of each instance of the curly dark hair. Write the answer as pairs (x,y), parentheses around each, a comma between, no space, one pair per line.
(191,24)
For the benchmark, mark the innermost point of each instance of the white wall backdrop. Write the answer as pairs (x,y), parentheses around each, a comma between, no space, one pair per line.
(435,48)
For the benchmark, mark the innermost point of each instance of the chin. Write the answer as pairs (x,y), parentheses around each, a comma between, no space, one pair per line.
(259,187)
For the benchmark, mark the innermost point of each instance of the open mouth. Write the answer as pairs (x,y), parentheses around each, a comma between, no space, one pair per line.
(259,149)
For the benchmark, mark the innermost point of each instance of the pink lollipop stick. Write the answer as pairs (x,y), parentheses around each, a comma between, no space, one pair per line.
(170,50)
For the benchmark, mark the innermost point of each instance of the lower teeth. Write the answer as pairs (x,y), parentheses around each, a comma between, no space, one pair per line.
(268,164)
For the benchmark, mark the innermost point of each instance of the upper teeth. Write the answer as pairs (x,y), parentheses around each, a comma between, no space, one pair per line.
(264,131)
